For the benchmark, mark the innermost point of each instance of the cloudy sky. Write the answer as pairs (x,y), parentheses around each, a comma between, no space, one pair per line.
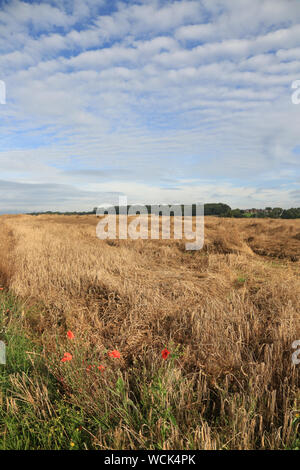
(159,100)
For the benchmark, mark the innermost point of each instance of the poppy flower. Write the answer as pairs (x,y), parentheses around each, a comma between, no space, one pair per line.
(67,357)
(101,368)
(165,353)
(70,335)
(114,353)
(1,288)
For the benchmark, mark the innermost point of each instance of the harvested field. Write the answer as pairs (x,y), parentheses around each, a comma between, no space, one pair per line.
(228,314)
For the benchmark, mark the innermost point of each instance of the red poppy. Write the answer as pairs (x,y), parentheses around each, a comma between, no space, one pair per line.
(70,335)
(67,357)
(114,353)
(165,353)
(101,368)
(1,288)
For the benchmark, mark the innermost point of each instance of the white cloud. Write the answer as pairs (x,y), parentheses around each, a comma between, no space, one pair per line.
(148,90)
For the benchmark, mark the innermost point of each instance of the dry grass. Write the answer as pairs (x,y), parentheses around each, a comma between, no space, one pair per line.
(231,310)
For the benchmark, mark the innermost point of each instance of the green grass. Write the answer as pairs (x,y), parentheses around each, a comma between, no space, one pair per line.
(34,414)
(38,412)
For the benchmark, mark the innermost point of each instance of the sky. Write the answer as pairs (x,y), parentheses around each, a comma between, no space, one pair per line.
(160,101)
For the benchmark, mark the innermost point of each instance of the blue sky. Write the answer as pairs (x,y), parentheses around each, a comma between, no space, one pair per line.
(161,101)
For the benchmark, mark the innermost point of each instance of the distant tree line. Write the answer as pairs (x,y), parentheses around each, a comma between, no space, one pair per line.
(223,210)
(214,209)
(63,213)
(273,213)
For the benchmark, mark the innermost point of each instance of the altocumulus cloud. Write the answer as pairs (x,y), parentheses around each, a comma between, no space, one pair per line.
(164,101)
